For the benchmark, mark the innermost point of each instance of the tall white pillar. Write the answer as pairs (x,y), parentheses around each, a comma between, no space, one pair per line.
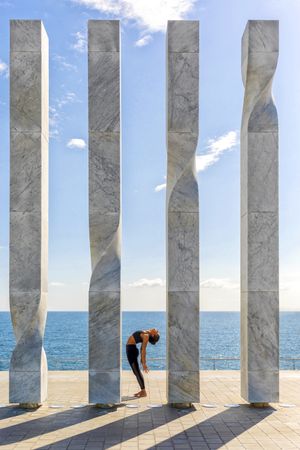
(259,216)
(182,213)
(104,210)
(28,283)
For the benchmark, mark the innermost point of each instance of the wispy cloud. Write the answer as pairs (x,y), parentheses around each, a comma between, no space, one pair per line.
(69,97)
(146,282)
(76,143)
(215,148)
(160,187)
(145,40)
(56,113)
(63,63)
(210,283)
(148,15)
(219,283)
(212,153)
(53,121)
(80,44)
(3,69)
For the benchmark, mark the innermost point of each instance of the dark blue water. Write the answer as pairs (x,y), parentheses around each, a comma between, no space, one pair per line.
(66,339)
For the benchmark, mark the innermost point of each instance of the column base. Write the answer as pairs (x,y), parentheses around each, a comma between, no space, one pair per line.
(105,405)
(184,405)
(30,405)
(260,405)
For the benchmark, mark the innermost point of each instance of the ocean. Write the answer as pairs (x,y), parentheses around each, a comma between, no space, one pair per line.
(66,342)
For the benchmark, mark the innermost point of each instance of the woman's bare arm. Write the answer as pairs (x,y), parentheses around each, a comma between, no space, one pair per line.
(143,352)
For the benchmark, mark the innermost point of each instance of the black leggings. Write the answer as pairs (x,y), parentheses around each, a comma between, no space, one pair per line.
(132,356)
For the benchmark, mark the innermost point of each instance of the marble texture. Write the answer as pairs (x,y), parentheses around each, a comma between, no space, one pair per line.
(259,216)
(183,250)
(104,172)
(183,92)
(104,211)
(104,311)
(26,164)
(183,311)
(182,213)
(105,38)
(183,386)
(183,36)
(28,267)
(104,91)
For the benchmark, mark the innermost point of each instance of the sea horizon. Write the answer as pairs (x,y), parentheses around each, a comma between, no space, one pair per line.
(66,339)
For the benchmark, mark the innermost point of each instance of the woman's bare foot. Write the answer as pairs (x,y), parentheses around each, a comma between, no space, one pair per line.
(140,394)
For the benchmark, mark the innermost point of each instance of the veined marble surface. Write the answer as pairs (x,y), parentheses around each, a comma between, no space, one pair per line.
(182,213)
(104,211)
(259,216)
(28,283)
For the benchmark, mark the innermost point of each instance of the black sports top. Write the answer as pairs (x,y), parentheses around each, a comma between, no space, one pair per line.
(137,336)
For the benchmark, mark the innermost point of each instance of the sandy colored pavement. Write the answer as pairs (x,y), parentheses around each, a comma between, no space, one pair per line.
(67,422)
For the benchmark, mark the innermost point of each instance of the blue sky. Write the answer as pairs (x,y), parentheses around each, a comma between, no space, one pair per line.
(222,23)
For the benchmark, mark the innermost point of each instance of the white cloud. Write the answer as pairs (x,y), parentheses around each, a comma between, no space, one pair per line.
(212,153)
(150,15)
(56,112)
(76,143)
(61,60)
(219,283)
(3,69)
(80,42)
(146,282)
(145,40)
(160,187)
(69,97)
(56,284)
(53,122)
(215,148)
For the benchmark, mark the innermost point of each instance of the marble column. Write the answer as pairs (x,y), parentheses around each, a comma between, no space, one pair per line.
(104,210)
(28,283)
(182,213)
(259,216)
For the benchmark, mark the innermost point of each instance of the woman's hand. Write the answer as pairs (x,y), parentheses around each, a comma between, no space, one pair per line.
(145,368)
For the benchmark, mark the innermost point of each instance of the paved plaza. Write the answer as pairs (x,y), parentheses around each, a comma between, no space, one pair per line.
(67,422)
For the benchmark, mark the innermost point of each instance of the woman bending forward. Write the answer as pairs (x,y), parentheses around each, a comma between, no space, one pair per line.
(140,337)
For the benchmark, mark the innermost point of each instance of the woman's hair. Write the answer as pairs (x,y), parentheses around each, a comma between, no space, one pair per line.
(154,339)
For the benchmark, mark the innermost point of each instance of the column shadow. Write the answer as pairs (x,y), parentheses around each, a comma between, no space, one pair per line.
(214,431)
(11,411)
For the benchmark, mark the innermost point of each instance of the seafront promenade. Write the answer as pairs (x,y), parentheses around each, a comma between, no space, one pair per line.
(66,421)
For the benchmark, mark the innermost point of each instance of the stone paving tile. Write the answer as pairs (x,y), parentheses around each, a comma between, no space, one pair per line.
(89,428)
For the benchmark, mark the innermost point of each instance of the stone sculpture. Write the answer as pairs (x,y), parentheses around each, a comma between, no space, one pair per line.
(104,210)
(259,216)
(182,213)
(28,248)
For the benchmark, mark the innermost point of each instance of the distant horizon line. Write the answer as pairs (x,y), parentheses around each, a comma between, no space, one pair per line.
(156,310)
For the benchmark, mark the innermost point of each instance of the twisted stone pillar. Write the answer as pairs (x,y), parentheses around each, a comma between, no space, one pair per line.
(182,213)
(104,210)
(28,282)
(259,216)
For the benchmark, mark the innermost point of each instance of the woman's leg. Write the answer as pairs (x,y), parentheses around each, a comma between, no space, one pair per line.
(137,372)
(132,356)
